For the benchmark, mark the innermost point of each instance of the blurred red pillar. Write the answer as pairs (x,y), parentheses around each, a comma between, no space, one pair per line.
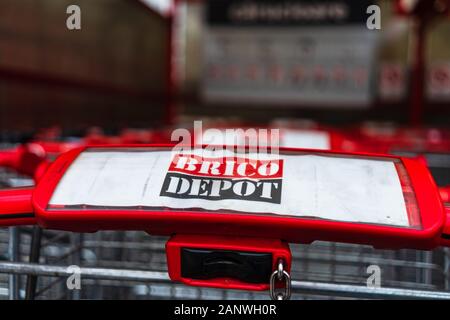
(418,66)
(423,13)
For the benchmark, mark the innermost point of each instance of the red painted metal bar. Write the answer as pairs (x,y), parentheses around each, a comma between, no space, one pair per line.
(16,207)
(8,157)
(445,194)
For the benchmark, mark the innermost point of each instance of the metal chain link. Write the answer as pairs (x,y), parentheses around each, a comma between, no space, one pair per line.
(280,274)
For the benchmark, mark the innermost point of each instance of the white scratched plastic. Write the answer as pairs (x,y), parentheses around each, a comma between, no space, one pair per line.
(319,140)
(306,139)
(317,186)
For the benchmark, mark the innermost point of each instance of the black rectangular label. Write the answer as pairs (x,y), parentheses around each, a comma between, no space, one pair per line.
(286,13)
(182,186)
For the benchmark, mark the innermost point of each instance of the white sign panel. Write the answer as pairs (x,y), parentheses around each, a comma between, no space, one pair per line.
(314,186)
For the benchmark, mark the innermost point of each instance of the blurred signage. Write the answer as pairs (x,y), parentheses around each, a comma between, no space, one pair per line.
(393,82)
(300,53)
(276,12)
(438,84)
(392,85)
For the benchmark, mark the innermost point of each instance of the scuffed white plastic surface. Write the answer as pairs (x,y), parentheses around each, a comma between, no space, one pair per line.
(342,189)
(319,140)
(306,139)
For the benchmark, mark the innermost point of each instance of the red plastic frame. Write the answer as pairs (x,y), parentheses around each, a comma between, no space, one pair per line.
(286,228)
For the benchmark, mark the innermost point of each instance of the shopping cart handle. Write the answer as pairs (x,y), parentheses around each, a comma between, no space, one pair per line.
(8,157)
(445,236)
(445,194)
(29,159)
(16,208)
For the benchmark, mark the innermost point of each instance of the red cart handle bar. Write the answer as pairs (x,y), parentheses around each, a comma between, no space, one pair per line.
(16,208)
(8,157)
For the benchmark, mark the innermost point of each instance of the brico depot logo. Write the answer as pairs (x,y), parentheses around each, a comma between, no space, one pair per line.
(238,178)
